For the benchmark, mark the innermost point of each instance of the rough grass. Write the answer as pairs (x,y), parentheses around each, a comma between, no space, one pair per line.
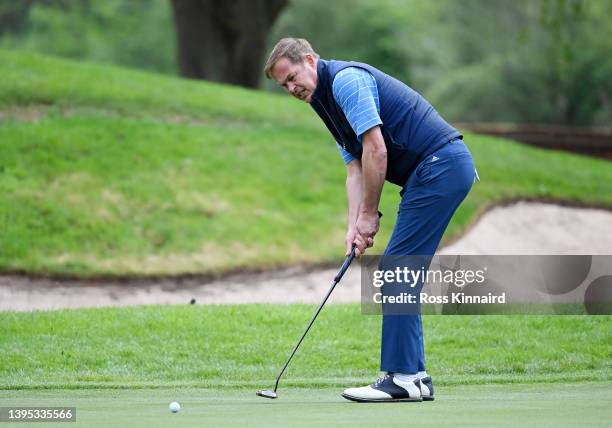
(242,345)
(106,171)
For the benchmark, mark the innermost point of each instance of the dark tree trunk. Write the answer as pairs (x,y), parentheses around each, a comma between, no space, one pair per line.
(14,15)
(224,40)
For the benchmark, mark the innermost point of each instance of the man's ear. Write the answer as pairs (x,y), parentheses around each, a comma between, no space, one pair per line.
(309,59)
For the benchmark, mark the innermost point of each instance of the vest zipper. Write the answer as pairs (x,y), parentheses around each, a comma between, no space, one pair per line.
(332,122)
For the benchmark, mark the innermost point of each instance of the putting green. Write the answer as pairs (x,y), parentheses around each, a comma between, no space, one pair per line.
(575,404)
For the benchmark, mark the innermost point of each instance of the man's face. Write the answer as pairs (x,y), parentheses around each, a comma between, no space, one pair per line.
(299,80)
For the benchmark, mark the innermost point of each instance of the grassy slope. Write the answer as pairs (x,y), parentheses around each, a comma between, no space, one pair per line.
(245,345)
(117,172)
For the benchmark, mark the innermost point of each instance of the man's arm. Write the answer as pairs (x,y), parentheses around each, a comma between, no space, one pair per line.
(374,169)
(356,93)
(354,193)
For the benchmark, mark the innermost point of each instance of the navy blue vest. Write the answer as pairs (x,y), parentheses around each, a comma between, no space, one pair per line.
(411,127)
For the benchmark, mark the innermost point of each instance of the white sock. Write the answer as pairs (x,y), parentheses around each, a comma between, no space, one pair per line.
(405,377)
(422,374)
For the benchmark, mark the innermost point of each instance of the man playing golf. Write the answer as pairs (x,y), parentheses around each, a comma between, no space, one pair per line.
(384,130)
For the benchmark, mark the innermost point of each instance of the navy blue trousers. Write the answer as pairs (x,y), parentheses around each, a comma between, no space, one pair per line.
(429,199)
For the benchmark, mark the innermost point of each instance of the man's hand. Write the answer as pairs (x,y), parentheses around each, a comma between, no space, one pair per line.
(366,227)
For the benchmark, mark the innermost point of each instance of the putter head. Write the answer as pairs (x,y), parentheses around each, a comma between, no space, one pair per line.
(267,393)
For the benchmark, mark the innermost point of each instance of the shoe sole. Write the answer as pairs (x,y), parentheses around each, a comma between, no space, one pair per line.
(381,400)
(428,398)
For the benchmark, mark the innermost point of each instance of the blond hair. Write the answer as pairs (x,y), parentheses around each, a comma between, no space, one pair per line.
(291,48)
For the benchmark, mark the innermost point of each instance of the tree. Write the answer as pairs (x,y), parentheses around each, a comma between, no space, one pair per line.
(131,33)
(380,33)
(545,61)
(14,15)
(224,41)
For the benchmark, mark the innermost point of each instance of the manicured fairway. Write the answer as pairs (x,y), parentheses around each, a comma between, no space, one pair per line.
(574,404)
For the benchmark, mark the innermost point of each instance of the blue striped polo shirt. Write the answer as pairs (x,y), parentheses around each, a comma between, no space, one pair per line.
(356,93)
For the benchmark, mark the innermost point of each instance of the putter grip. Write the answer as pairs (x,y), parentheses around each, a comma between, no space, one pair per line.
(345,265)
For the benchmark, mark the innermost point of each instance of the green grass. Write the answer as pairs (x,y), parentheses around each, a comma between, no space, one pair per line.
(124,365)
(245,345)
(106,171)
(555,405)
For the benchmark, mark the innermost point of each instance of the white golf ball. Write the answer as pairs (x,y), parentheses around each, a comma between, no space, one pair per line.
(174,407)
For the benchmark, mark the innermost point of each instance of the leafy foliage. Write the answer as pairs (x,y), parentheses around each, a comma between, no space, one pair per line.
(529,61)
(134,33)
(544,61)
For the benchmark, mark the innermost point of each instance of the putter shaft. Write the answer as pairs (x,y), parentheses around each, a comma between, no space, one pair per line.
(337,279)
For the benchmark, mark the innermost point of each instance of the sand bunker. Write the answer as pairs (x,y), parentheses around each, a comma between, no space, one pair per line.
(520,228)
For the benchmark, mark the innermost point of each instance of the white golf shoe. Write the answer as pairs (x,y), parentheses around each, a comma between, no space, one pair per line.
(385,389)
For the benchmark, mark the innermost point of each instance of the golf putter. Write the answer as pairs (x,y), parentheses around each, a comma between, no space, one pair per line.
(272,394)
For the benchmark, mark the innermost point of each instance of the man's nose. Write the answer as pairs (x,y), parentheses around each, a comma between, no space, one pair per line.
(290,87)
